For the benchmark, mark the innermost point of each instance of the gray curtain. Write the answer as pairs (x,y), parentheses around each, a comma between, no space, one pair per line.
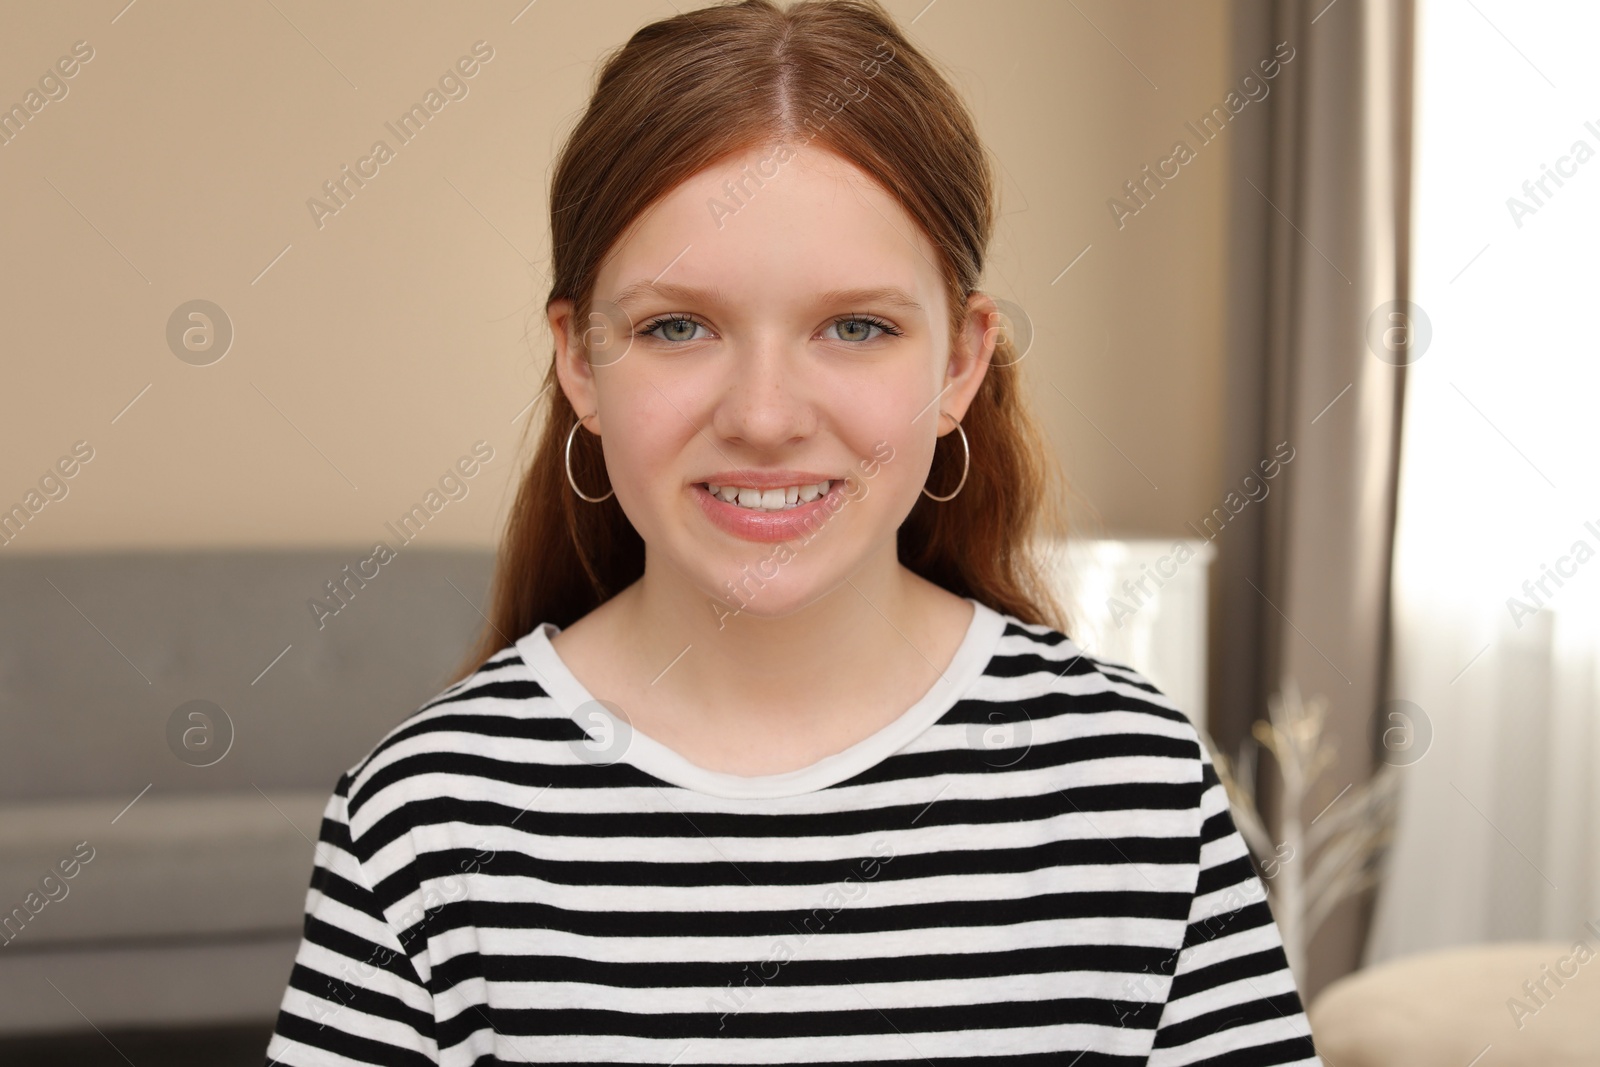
(1320,243)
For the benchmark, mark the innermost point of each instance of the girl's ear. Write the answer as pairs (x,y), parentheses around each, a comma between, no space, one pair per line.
(571,361)
(972,352)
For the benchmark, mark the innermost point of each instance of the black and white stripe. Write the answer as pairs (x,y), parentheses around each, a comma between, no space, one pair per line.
(1044,871)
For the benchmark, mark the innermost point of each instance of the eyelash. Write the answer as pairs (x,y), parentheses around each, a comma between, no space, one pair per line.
(872,320)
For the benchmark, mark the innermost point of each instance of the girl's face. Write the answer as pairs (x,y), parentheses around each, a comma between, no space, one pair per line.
(763,331)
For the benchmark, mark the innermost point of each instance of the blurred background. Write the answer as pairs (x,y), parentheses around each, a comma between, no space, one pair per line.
(1328,372)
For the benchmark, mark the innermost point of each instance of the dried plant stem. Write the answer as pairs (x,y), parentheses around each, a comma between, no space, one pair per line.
(1335,857)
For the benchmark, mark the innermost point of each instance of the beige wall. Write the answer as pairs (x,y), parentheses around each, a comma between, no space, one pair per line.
(379,347)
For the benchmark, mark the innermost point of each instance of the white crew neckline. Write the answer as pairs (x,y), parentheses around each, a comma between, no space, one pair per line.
(971,658)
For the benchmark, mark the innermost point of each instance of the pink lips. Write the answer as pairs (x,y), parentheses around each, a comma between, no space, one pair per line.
(769,525)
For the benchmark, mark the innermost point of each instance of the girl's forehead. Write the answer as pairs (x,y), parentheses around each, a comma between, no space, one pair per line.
(812,225)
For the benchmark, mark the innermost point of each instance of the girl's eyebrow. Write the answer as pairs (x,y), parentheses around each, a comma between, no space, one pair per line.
(885,295)
(669,291)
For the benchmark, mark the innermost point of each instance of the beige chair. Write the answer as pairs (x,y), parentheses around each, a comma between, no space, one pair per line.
(1510,1004)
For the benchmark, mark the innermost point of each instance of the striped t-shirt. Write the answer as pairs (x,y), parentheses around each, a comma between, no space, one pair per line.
(1034,864)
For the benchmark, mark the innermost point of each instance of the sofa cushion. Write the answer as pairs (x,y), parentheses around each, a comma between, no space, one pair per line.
(99,651)
(193,865)
(1444,1009)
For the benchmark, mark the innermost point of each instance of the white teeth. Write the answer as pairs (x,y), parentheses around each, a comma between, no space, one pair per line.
(769,499)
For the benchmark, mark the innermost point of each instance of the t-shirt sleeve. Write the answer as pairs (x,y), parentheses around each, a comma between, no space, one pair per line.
(354,996)
(1233,1000)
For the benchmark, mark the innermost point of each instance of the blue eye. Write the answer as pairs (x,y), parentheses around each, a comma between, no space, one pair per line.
(680,323)
(868,321)
(676,321)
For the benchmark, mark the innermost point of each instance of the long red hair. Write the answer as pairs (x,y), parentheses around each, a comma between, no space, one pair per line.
(683,94)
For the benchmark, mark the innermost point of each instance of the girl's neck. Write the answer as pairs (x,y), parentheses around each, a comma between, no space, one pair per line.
(846,663)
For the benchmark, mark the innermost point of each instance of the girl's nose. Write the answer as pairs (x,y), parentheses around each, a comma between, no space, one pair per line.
(767,400)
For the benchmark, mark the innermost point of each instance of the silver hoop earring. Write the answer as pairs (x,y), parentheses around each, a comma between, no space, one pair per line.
(966,463)
(575,489)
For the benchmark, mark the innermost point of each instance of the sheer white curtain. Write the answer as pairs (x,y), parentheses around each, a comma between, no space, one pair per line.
(1497,566)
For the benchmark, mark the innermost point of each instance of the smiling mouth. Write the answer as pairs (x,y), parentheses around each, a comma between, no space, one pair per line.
(784,499)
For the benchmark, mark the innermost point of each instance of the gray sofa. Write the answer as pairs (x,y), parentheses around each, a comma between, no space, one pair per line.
(153,872)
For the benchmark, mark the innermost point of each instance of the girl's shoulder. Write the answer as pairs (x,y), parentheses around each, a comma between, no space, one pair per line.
(1056,690)
(1031,649)
(463,736)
